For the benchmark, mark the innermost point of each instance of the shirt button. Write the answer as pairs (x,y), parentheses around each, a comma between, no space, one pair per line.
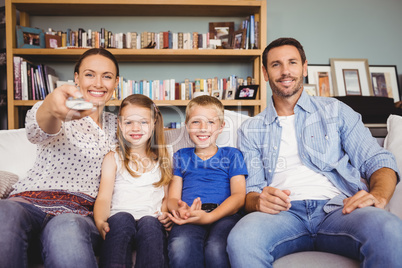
(275,147)
(269,171)
(326,137)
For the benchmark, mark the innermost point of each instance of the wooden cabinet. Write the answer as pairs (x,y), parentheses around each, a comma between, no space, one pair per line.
(102,8)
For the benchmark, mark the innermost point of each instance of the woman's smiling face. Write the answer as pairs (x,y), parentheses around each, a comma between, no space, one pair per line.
(97,79)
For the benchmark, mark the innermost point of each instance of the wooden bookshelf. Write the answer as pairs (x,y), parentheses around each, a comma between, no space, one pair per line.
(102,8)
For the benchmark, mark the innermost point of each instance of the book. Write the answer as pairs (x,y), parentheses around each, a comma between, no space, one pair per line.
(52,80)
(24,80)
(48,71)
(17,78)
(252,29)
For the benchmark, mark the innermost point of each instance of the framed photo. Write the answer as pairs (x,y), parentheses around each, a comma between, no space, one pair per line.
(30,37)
(230,94)
(311,89)
(351,77)
(223,31)
(320,75)
(385,83)
(246,92)
(238,39)
(52,41)
(217,94)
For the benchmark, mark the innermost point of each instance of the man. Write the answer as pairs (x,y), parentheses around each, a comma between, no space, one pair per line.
(306,157)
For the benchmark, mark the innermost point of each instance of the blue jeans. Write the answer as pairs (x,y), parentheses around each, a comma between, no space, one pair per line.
(371,235)
(147,236)
(67,240)
(194,246)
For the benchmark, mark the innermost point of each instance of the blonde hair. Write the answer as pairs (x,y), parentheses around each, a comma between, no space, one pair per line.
(205,101)
(156,148)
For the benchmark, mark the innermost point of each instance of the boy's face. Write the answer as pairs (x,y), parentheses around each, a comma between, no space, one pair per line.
(204,126)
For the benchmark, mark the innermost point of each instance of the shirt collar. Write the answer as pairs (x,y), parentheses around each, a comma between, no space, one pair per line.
(304,103)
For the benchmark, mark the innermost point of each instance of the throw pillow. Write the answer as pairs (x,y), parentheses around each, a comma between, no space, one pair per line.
(7,180)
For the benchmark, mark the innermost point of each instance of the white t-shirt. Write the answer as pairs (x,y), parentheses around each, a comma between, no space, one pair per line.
(291,174)
(137,196)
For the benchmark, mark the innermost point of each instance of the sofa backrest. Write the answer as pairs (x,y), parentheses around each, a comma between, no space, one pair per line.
(17,154)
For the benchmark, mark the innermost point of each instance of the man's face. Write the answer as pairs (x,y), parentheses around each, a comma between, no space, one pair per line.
(285,71)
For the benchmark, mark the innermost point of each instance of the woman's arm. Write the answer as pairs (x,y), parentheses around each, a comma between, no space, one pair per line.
(54,110)
(104,198)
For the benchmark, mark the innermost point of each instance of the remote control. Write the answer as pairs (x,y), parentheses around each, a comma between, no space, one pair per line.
(79,104)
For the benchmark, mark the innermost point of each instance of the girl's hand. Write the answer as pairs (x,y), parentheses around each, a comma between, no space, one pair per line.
(103,229)
(165,220)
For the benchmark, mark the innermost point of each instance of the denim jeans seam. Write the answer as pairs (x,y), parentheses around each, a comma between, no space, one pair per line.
(286,240)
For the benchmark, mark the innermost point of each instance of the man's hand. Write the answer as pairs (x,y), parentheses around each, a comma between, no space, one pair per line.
(272,200)
(360,200)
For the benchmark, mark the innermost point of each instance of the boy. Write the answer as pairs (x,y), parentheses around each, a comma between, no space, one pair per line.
(212,180)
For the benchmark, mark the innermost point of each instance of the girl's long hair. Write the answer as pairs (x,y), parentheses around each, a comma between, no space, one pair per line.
(156,148)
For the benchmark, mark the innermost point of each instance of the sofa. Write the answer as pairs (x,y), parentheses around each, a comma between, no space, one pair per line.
(17,155)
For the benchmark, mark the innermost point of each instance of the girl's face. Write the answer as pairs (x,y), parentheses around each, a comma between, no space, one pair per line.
(137,125)
(97,79)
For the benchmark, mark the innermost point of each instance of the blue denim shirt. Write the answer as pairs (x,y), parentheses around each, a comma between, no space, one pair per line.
(332,140)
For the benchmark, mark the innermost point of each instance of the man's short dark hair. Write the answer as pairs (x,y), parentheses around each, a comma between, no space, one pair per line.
(283,42)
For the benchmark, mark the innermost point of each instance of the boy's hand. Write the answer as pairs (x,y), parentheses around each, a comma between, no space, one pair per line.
(103,229)
(165,220)
(196,217)
(183,212)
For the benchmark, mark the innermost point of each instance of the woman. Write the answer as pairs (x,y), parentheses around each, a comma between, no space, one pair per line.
(54,203)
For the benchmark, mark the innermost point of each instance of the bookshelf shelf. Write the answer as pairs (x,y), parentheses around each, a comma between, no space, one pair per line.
(107,8)
(135,55)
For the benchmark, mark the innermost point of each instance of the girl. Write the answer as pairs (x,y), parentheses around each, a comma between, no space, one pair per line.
(131,210)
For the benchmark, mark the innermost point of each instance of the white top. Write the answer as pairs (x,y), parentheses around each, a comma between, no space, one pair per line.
(71,159)
(291,174)
(136,196)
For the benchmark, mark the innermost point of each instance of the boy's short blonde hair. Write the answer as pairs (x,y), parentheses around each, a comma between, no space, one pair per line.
(205,100)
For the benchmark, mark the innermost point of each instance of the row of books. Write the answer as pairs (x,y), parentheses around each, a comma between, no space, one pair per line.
(169,89)
(133,40)
(251,28)
(32,81)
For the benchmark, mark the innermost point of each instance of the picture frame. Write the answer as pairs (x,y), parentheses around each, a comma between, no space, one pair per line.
(223,31)
(351,77)
(238,39)
(311,89)
(248,92)
(321,76)
(30,37)
(230,94)
(52,41)
(385,82)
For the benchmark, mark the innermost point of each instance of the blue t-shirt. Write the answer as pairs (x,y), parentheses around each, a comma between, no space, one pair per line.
(209,179)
